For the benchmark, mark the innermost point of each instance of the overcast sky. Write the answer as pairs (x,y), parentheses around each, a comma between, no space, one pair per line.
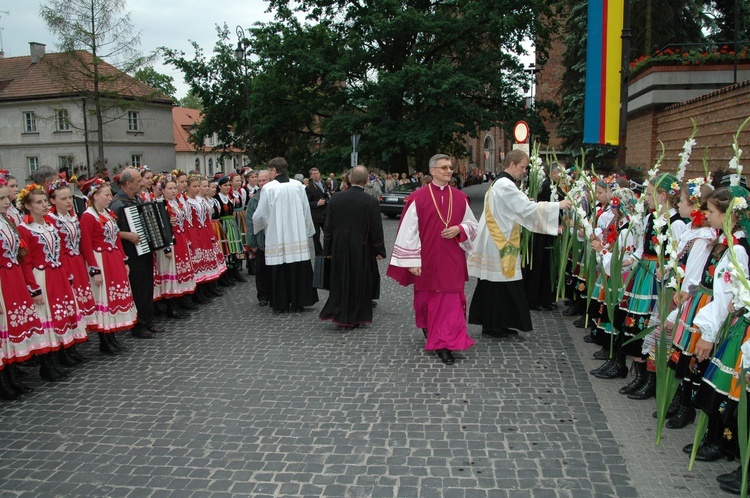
(163,23)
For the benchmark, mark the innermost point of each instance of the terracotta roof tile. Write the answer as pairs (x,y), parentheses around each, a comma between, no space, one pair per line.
(22,80)
(183,121)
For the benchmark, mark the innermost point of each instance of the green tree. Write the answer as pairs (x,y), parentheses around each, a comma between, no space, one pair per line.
(90,31)
(160,82)
(412,77)
(191,101)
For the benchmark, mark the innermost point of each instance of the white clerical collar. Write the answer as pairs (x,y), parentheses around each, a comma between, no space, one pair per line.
(439,186)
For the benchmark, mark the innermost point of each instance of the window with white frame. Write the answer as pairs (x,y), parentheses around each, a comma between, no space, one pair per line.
(198,163)
(62,120)
(29,122)
(136,160)
(134,121)
(64,161)
(32,164)
(210,166)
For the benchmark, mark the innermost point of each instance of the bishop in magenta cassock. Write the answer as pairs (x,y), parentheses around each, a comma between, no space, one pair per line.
(436,231)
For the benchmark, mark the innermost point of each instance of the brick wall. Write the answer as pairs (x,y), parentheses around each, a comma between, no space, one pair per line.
(640,141)
(548,82)
(718,115)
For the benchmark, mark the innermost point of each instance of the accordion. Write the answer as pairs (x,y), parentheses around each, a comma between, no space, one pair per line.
(150,221)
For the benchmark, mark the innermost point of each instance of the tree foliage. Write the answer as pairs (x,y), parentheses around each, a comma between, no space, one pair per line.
(90,32)
(412,77)
(161,82)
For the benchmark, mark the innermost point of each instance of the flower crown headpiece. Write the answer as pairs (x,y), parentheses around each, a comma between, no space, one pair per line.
(95,185)
(59,183)
(143,169)
(4,174)
(28,189)
(162,180)
(609,182)
(693,190)
(176,173)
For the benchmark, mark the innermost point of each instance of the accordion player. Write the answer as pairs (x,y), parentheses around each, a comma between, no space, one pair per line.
(150,221)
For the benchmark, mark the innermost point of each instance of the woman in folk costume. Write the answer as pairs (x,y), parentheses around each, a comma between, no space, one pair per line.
(49,282)
(620,236)
(62,216)
(232,245)
(105,258)
(719,390)
(173,270)
(147,193)
(21,332)
(188,302)
(698,256)
(606,232)
(13,213)
(241,197)
(202,251)
(499,303)
(207,190)
(640,297)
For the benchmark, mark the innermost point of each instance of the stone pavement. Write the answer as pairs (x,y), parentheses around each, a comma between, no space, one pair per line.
(236,401)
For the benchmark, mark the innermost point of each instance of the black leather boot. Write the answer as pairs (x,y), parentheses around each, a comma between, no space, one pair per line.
(605,366)
(56,365)
(64,360)
(15,380)
(174,311)
(198,296)
(115,343)
(6,391)
(685,413)
(213,288)
(580,322)
(46,370)
(186,303)
(647,390)
(602,354)
(73,353)
(237,275)
(105,347)
(617,368)
(732,476)
(638,379)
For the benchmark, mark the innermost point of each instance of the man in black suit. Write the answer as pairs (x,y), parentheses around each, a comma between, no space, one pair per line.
(354,242)
(141,267)
(317,195)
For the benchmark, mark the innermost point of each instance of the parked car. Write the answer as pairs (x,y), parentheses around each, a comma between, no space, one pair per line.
(392,203)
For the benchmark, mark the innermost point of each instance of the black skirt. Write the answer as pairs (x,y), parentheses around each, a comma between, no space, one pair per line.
(500,305)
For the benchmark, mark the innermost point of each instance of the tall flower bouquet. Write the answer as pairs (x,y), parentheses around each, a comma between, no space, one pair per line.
(533,186)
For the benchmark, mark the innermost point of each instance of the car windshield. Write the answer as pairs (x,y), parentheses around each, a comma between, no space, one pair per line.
(406,187)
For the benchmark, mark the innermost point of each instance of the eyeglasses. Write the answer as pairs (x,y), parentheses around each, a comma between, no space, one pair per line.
(444,168)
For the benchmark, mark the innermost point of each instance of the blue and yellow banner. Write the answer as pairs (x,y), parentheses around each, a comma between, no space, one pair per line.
(601,120)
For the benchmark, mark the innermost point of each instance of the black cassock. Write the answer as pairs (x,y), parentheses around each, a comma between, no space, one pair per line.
(353,238)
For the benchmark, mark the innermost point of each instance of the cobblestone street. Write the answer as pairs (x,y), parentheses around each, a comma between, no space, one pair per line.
(238,401)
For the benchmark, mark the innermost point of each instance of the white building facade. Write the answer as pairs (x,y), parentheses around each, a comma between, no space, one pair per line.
(41,125)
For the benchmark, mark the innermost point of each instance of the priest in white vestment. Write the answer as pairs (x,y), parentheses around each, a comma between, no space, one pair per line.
(284,213)
(499,303)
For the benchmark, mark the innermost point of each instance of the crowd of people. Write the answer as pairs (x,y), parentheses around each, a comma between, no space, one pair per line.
(689,235)
(86,271)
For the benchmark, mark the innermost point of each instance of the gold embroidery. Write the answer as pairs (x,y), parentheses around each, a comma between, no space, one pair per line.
(509,249)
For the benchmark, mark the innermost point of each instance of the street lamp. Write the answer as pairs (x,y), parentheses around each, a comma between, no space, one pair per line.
(531,70)
(241,53)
